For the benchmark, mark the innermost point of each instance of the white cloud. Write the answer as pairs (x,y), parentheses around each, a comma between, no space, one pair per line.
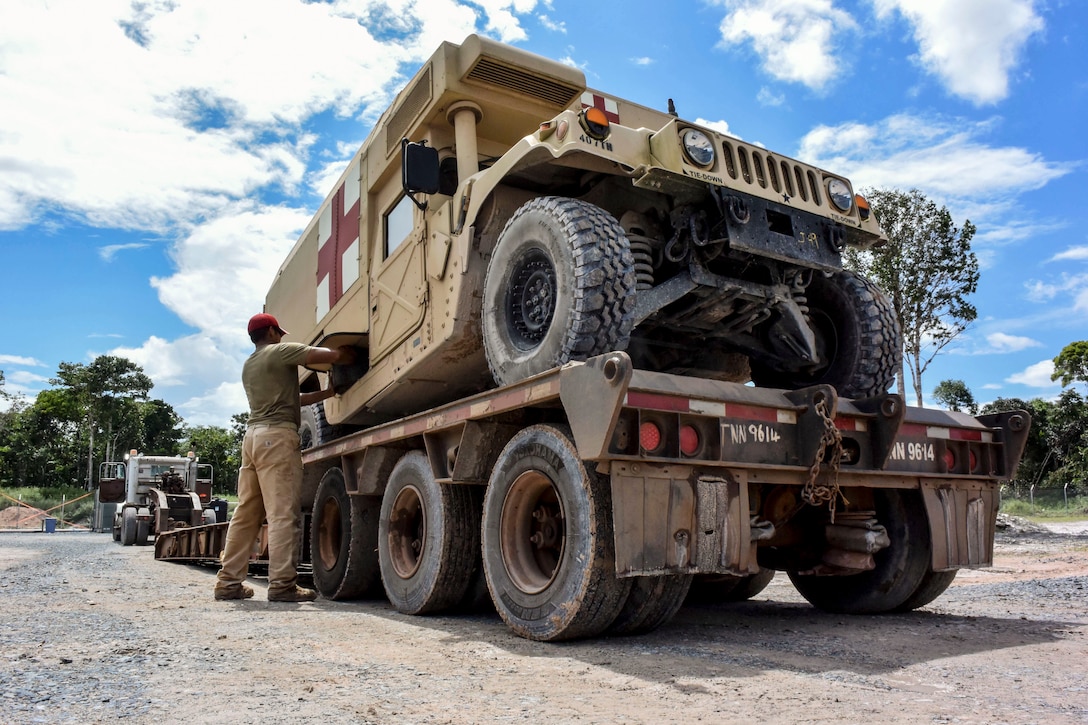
(1077,254)
(767,97)
(643,61)
(794,38)
(1035,376)
(557,26)
(20,360)
(971,45)
(999,342)
(719,126)
(110,250)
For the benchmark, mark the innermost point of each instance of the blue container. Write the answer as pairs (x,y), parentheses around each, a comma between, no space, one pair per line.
(49,525)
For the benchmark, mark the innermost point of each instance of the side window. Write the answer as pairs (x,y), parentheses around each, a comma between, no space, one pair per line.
(398,224)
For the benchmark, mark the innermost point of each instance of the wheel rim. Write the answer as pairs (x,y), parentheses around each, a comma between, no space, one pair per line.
(407,532)
(530,299)
(330,533)
(532,533)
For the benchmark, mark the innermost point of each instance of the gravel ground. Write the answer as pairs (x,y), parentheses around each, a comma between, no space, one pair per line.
(96,632)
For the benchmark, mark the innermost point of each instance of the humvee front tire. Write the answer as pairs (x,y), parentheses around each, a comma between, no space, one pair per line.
(559,287)
(857,333)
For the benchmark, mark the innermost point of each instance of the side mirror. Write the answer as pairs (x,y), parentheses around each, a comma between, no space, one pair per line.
(418,169)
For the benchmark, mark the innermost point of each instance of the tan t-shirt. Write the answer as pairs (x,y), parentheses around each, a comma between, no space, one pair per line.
(270,377)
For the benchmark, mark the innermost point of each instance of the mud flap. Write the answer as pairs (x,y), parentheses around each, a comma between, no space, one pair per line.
(962,522)
(669,520)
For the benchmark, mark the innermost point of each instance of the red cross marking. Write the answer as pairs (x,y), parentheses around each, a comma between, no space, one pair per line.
(330,253)
(599,102)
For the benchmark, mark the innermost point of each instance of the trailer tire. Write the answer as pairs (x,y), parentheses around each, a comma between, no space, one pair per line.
(548,546)
(343,540)
(128,527)
(652,602)
(428,538)
(901,568)
(933,585)
(116,532)
(720,588)
(559,287)
(857,328)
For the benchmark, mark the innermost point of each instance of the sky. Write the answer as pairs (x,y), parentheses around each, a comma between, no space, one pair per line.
(158,159)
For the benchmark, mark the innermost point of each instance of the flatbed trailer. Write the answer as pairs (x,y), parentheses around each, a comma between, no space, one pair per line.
(585,500)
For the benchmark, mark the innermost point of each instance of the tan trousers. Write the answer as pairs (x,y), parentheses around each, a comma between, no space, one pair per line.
(269,487)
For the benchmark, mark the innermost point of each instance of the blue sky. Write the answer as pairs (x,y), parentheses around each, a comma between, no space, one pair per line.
(158,159)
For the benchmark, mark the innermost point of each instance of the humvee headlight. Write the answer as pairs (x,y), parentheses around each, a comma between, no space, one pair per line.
(840,196)
(697,147)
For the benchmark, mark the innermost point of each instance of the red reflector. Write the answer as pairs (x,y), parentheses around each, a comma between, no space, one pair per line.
(689,440)
(949,459)
(974,461)
(649,436)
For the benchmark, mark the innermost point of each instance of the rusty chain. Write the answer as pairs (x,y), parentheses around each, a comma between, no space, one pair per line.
(814,492)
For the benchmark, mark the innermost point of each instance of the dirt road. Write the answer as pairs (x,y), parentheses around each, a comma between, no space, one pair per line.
(96,632)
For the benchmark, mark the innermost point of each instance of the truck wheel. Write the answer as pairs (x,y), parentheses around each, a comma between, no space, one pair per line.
(116,530)
(548,547)
(143,531)
(128,527)
(560,287)
(343,539)
(933,585)
(901,569)
(314,429)
(857,332)
(720,588)
(653,601)
(428,538)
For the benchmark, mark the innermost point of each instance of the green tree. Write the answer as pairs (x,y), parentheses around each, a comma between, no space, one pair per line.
(928,270)
(955,395)
(161,429)
(1071,364)
(96,390)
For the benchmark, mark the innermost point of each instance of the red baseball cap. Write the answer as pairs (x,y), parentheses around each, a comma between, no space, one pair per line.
(263,320)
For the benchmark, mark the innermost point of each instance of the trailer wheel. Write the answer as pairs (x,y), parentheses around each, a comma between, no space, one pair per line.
(343,540)
(653,601)
(548,547)
(857,331)
(901,568)
(428,538)
(116,530)
(128,527)
(719,588)
(933,585)
(559,287)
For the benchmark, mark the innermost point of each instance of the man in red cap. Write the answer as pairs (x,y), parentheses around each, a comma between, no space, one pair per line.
(270,479)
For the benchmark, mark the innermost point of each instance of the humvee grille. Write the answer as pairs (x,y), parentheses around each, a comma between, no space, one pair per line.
(494,73)
(758,168)
(414,102)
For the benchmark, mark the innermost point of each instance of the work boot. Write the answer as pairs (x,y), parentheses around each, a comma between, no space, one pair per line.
(237,591)
(295,594)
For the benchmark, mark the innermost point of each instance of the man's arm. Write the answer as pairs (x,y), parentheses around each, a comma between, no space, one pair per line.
(340,356)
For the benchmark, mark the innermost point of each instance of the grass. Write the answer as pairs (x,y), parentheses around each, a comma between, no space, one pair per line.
(1047,505)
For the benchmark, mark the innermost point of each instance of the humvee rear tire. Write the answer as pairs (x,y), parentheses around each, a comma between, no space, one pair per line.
(344,540)
(428,538)
(548,545)
(559,287)
(857,332)
(128,527)
(314,429)
(653,601)
(902,568)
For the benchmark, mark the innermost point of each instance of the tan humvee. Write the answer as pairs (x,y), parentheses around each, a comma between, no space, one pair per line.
(502,219)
